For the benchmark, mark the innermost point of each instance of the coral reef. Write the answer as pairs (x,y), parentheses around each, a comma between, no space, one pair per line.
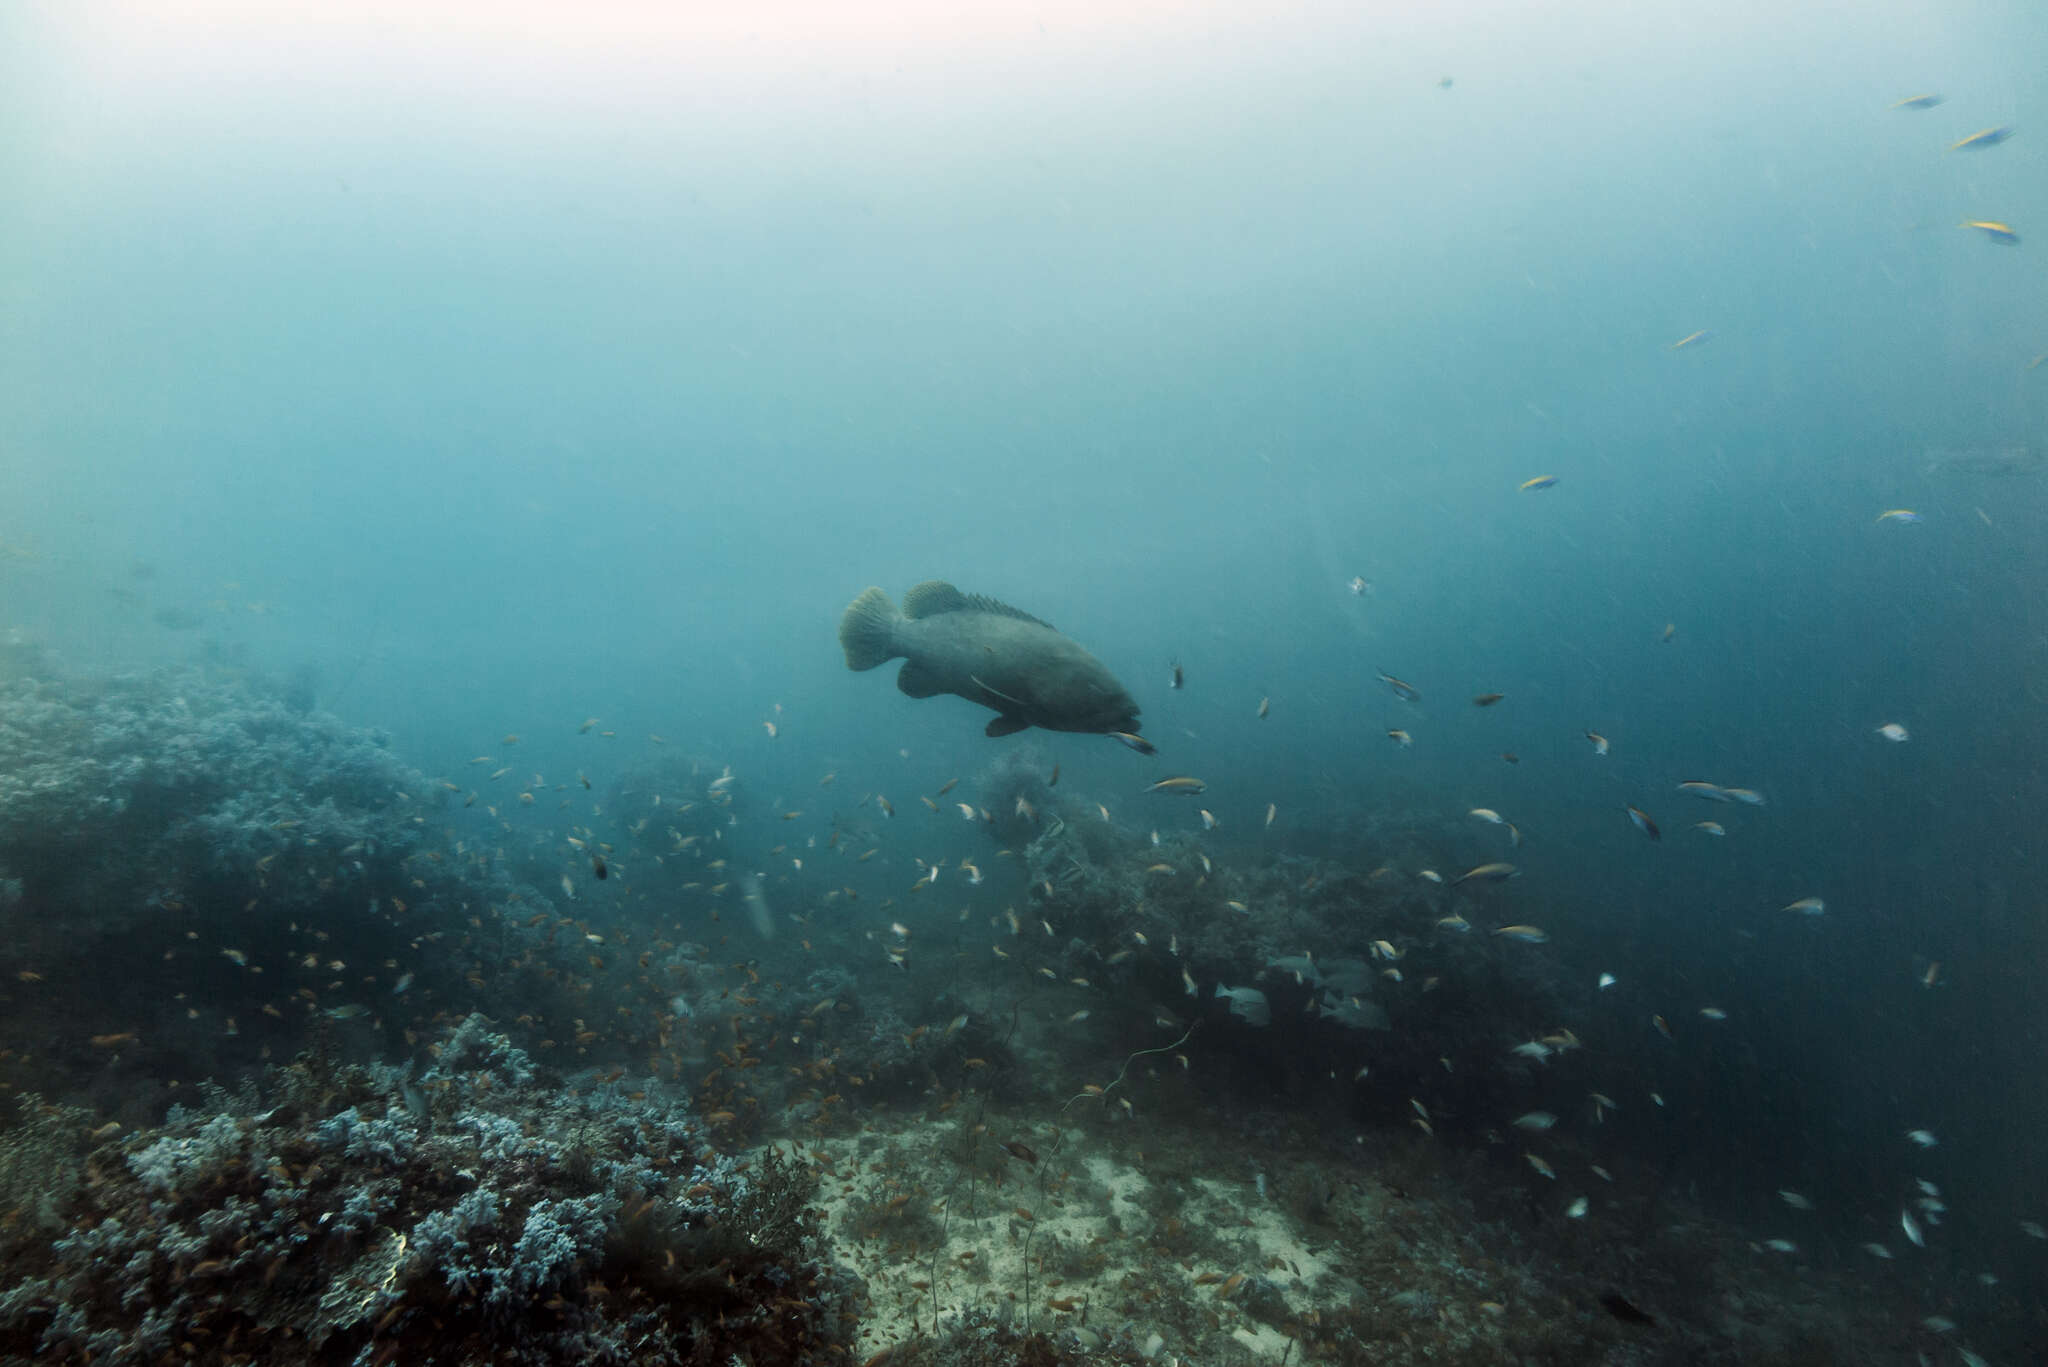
(180,774)
(474,1216)
(1096,1094)
(196,876)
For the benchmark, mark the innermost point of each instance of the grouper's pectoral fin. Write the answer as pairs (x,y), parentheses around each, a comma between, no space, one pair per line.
(918,682)
(1005,725)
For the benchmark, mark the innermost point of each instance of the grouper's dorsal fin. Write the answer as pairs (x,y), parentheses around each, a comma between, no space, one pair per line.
(931,598)
(974,602)
(935,596)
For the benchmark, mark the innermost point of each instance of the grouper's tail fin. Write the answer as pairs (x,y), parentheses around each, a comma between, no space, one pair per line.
(867,633)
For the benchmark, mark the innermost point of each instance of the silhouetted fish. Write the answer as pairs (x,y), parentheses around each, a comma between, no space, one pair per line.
(1623,1309)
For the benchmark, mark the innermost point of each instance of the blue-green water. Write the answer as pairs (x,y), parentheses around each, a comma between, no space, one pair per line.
(508,366)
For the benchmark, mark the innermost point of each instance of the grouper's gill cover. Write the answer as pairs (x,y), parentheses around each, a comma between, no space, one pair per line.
(989,653)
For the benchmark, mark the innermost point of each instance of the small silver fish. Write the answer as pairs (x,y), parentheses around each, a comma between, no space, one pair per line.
(1403,690)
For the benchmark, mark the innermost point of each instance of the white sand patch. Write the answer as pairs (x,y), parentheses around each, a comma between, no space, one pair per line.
(1269,1343)
(990,1228)
(1276,1232)
(1236,1207)
(1125,1185)
(995,1226)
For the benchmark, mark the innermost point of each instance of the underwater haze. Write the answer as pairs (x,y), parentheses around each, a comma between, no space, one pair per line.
(461,372)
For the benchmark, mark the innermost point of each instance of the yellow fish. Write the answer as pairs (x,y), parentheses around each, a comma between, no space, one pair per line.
(1986,137)
(1996,231)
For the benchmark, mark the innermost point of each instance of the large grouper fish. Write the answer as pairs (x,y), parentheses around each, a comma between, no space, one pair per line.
(988,653)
